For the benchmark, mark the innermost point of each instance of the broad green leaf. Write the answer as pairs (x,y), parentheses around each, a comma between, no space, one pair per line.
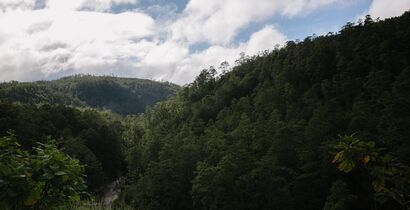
(60,173)
(47,176)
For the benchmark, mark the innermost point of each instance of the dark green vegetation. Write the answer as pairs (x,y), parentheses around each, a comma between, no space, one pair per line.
(319,124)
(90,136)
(388,176)
(120,95)
(264,135)
(43,179)
(33,113)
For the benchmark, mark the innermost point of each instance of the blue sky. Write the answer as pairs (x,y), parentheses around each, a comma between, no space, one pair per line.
(327,19)
(169,40)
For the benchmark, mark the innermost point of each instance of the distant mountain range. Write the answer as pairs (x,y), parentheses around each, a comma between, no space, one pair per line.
(120,95)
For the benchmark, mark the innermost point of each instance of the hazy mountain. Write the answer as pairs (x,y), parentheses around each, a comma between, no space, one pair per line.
(121,95)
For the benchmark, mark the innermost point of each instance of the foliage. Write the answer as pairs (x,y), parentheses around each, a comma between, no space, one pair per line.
(350,149)
(389,177)
(120,95)
(45,178)
(90,136)
(258,136)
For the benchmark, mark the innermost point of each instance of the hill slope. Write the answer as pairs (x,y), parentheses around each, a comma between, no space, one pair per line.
(121,95)
(261,136)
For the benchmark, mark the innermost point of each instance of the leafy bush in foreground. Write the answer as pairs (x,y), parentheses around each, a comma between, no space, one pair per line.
(45,178)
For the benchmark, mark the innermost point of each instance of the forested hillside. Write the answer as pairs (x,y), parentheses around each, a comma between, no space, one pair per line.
(319,124)
(120,95)
(62,140)
(92,137)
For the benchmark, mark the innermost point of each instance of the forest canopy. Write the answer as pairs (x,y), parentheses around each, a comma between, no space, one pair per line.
(321,123)
(318,124)
(120,95)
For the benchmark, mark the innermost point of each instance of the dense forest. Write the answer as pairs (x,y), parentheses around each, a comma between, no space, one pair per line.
(120,95)
(321,123)
(79,116)
(86,135)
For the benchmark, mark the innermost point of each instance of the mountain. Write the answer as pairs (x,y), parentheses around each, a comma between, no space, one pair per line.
(37,113)
(318,124)
(321,123)
(120,95)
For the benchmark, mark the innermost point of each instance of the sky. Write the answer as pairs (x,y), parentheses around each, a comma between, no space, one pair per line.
(163,40)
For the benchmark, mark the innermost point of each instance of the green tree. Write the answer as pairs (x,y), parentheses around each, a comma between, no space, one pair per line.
(45,178)
(390,179)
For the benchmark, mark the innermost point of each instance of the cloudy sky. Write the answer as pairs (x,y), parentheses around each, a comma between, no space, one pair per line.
(170,40)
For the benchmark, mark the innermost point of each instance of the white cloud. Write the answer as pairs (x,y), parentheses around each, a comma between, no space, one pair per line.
(42,39)
(93,5)
(388,8)
(7,5)
(190,67)
(164,54)
(264,39)
(51,42)
(217,22)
